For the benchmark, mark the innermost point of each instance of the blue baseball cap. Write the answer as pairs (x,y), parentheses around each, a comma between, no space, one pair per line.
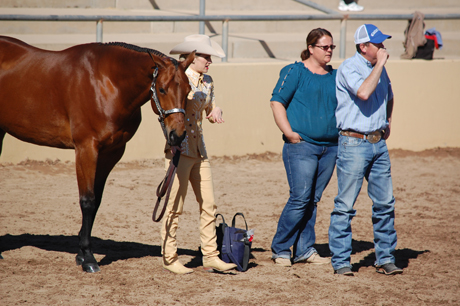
(369,33)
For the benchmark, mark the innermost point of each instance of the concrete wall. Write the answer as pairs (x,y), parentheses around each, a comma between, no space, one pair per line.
(427,106)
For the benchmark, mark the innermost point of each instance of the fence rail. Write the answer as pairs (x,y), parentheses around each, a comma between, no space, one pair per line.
(225,19)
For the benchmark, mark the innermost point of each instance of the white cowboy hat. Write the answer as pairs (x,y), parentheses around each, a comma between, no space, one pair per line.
(199,43)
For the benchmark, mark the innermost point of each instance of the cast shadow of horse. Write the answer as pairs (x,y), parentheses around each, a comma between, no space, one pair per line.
(113,250)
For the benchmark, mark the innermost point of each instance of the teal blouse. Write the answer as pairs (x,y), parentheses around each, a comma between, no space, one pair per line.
(310,103)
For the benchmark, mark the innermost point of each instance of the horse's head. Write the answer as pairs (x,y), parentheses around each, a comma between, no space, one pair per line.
(170,89)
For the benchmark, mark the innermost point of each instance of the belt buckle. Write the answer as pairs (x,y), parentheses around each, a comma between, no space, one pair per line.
(374,138)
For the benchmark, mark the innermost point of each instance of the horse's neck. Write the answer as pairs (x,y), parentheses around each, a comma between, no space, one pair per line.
(135,81)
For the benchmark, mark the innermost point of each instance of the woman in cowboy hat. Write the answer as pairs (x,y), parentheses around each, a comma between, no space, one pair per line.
(194,164)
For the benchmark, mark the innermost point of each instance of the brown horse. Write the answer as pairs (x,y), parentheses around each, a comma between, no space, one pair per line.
(88,98)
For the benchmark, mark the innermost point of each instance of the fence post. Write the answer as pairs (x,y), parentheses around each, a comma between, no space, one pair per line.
(225,39)
(202,13)
(343,36)
(99,30)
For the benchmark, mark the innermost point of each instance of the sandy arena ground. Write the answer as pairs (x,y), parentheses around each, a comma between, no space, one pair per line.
(40,219)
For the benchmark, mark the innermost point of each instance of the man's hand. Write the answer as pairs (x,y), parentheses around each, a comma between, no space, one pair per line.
(382,56)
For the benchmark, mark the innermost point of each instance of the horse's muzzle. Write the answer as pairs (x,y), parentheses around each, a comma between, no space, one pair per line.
(174,139)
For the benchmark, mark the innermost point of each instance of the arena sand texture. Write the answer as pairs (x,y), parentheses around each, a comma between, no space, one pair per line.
(40,219)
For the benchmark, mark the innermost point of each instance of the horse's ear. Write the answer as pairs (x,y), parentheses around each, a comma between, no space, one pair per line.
(188,60)
(157,60)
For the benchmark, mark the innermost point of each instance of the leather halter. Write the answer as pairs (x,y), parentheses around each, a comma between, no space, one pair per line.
(162,113)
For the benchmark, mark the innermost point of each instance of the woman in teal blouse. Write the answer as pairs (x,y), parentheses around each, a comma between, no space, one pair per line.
(303,104)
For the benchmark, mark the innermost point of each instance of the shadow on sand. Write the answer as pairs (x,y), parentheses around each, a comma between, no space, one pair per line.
(122,250)
(113,250)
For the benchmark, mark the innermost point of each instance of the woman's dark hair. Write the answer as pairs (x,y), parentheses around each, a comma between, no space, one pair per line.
(312,39)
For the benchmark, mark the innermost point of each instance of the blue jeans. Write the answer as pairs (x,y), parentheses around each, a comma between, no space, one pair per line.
(358,159)
(309,168)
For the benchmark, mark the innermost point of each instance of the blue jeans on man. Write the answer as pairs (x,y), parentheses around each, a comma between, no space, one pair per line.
(358,159)
(309,168)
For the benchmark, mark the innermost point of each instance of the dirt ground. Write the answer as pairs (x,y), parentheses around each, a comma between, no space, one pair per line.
(40,219)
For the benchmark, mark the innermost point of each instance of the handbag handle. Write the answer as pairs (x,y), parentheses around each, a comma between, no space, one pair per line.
(223,220)
(224,225)
(238,214)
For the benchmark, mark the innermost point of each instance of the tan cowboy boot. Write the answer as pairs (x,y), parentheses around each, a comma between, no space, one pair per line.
(177,267)
(217,264)
(315,259)
(318,260)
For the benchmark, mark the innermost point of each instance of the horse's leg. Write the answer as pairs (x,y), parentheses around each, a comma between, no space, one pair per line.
(94,174)
(86,163)
(2,135)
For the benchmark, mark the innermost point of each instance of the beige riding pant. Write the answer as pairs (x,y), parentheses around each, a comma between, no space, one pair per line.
(198,172)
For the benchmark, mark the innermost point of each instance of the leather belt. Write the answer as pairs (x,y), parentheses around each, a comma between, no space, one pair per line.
(373,137)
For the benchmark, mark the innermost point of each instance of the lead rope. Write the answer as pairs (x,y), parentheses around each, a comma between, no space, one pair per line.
(164,188)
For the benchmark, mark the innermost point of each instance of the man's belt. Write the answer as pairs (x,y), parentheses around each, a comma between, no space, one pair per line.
(373,137)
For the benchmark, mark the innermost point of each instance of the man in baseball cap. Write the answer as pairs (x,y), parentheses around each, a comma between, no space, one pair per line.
(364,113)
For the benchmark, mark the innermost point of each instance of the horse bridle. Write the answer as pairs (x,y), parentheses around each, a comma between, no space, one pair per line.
(165,186)
(162,114)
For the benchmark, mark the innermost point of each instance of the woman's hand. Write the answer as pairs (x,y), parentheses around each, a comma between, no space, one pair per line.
(215,115)
(174,149)
(279,112)
(293,137)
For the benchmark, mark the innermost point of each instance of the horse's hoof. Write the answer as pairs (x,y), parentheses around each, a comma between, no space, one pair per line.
(79,260)
(91,268)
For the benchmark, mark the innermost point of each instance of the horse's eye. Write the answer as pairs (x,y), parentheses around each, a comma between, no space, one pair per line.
(162,91)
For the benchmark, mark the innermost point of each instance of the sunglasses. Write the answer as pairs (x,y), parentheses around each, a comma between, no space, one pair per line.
(325,48)
(206,56)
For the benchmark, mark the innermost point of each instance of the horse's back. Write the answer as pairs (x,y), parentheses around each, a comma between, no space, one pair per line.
(29,94)
(38,89)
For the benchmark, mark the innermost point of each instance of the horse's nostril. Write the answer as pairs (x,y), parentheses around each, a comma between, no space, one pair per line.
(174,139)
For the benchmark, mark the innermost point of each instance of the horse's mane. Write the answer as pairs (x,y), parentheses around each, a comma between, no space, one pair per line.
(142,49)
